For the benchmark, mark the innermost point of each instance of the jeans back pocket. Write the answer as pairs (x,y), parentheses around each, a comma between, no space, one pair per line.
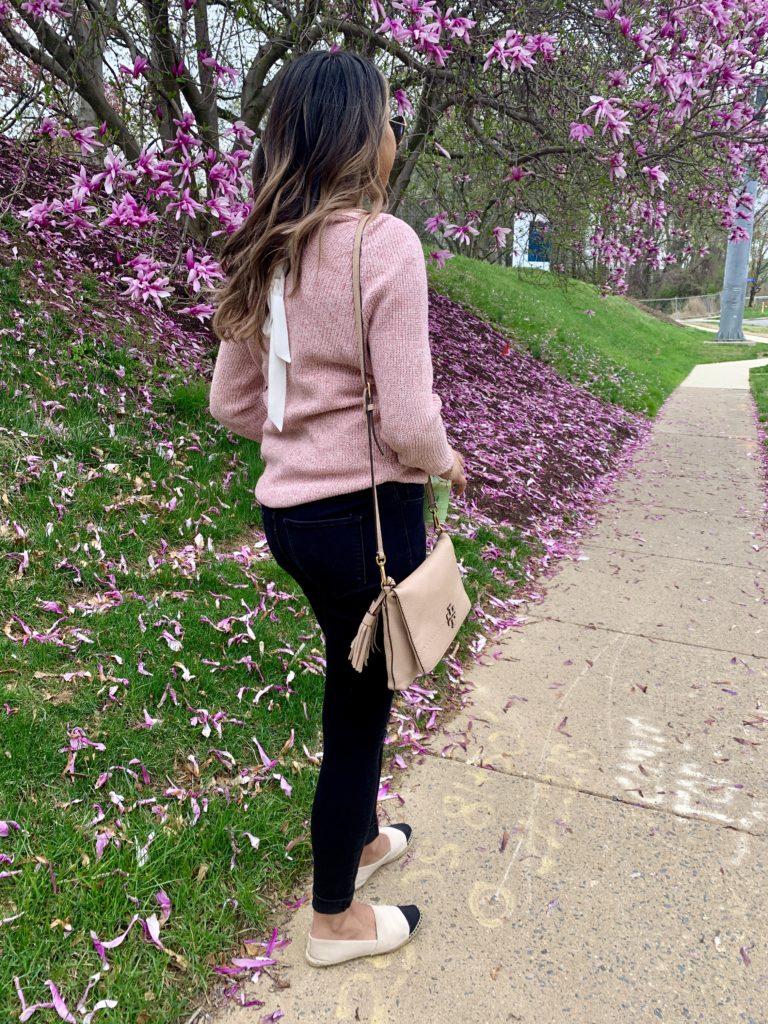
(330,553)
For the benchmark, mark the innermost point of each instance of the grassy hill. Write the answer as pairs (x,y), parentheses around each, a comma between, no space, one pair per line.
(621,353)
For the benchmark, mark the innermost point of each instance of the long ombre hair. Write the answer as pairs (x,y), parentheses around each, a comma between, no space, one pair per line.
(319,153)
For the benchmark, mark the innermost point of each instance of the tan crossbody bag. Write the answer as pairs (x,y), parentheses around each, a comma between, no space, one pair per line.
(423,613)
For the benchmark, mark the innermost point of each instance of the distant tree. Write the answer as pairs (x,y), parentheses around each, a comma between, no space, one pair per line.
(758,268)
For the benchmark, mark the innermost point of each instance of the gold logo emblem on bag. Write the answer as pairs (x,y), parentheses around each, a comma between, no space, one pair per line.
(450,615)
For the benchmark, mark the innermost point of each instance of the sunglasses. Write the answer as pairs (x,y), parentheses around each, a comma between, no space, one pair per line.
(398,127)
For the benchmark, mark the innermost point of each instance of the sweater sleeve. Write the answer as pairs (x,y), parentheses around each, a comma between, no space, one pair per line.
(237,396)
(395,306)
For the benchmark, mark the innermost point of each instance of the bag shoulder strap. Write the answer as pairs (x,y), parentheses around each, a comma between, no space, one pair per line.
(368,398)
(381,558)
(356,287)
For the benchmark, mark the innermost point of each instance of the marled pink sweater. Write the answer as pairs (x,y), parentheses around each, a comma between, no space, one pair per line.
(323,447)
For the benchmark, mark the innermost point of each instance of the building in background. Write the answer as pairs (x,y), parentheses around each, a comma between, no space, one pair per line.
(530,242)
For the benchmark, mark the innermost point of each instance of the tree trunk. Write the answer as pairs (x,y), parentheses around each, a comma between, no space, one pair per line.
(162,52)
(90,62)
(405,163)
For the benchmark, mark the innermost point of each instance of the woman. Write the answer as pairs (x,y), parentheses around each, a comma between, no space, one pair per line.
(328,147)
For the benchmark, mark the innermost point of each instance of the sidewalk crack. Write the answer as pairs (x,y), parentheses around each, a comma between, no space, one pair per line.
(640,553)
(610,797)
(649,636)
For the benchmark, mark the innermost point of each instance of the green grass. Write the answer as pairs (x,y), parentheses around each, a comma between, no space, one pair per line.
(760,331)
(622,353)
(758,381)
(125,534)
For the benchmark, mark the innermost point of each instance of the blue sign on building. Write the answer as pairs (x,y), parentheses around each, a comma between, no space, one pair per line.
(538,242)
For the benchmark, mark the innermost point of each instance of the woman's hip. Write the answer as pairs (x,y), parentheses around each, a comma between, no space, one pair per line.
(331,543)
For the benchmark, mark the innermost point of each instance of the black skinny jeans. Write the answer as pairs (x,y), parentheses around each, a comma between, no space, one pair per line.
(329,547)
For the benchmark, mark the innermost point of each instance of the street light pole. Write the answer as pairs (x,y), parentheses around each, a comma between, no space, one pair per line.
(737,258)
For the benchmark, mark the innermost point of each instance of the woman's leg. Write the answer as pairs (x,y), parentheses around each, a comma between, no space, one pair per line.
(318,548)
(404,535)
(356,710)
(375,845)
(356,705)
(373,830)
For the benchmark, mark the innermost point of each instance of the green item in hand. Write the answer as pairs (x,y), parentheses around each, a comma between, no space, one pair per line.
(442,489)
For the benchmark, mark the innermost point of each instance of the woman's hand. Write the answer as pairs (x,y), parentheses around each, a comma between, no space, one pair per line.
(456,472)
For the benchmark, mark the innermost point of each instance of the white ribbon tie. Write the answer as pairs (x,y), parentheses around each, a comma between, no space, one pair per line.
(276,326)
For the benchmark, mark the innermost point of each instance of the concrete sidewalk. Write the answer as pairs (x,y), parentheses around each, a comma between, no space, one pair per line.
(594,846)
(750,337)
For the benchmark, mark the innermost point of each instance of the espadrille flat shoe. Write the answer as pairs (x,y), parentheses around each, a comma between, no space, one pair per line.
(394,927)
(399,837)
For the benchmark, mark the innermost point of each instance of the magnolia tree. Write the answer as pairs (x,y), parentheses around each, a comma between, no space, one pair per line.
(617,120)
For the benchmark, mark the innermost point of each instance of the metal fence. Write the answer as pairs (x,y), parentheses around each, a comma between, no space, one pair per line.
(695,306)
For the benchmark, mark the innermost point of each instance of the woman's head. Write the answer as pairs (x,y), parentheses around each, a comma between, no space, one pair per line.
(325,126)
(327,145)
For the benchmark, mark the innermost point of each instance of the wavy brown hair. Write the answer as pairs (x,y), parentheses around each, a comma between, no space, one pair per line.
(319,152)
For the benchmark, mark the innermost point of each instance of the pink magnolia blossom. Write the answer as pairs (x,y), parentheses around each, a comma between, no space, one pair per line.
(221,71)
(437,53)
(39,8)
(139,66)
(186,204)
(609,11)
(461,232)
(580,132)
(601,108)
(201,271)
(439,256)
(38,214)
(617,78)
(404,105)
(500,234)
(394,27)
(517,174)
(84,137)
(117,170)
(202,310)
(146,286)
(616,166)
(460,27)
(543,43)
(126,212)
(655,176)
(496,52)
(614,117)
(77,741)
(511,52)
(434,223)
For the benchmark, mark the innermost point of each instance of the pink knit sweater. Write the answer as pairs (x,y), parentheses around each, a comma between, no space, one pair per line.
(322,449)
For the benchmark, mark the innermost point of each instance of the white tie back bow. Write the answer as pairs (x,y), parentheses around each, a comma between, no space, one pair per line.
(276,326)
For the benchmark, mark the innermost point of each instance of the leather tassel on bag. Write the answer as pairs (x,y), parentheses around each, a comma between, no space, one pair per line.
(366,635)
